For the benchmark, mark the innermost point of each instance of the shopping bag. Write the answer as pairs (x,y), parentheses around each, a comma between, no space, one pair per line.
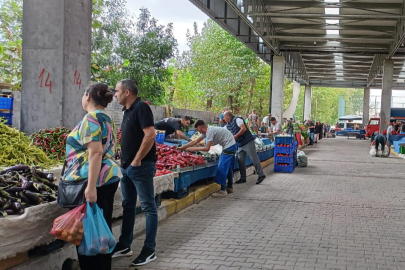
(69,227)
(372,152)
(98,238)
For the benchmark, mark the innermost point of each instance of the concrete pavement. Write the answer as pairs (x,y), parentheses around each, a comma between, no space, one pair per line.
(345,211)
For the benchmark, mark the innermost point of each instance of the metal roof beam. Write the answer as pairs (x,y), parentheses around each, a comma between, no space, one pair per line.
(366,38)
(374,17)
(324,26)
(337,4)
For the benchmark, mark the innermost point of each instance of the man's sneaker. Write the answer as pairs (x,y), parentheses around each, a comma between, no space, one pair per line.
(145,257)
(241,181)
(120,251)
(220,194)
(260,179)
(229,190)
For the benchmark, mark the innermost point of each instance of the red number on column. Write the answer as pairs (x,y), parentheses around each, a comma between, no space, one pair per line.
(77,80)
(48,83)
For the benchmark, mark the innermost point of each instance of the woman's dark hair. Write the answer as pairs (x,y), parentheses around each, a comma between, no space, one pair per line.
(403,128)
(100,93)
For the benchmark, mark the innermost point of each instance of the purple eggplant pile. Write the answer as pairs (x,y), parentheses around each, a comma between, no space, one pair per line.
(22,186)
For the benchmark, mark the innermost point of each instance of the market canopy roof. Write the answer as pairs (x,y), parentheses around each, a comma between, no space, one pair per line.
(351,117)
(324,42)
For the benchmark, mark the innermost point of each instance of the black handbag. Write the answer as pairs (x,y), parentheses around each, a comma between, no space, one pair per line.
(71,192)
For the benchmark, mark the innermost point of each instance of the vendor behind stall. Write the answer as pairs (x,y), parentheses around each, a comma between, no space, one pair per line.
(173,125)
(223,137)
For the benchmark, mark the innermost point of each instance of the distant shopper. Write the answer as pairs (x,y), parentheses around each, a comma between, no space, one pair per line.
(222,122)
(173,126)
(223,137)
(266,122)
(380,140)
(311,129)
(276,127)
(254,122)
(246,146)
(90,149)
(138,162)
(390,129)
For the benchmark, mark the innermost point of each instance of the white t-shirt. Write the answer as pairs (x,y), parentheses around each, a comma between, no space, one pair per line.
(389,129)
(219,135)
(277,128)
(239,122)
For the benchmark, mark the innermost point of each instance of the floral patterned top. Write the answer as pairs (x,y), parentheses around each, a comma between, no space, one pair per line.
(95,126)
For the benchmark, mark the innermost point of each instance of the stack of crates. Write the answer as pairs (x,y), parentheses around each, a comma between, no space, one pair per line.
(6,108)
(285,154)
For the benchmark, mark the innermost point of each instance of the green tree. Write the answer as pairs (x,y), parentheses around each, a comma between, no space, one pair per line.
(123,47)
(11,42)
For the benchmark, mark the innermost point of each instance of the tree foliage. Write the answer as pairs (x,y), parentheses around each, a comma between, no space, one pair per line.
(11,42)
(124,47)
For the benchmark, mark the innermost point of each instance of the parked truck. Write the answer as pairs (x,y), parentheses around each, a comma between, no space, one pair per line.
(397,114)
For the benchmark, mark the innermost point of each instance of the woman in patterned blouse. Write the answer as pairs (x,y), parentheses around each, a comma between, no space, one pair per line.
(90,149)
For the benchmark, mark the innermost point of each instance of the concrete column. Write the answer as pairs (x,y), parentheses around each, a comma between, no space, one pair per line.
(289,113)
(386,94)
(56,62)
(366,105)
(307,102)
(277,94)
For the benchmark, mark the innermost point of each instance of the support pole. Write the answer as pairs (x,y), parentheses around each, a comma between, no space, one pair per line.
(366,105)
(307,102)
(56,62)
(386,94)
(277,94)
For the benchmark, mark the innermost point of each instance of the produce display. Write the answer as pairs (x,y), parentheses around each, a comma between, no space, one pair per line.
(52,141)
(169,158)
(17,148)
(22,186)
(162,172)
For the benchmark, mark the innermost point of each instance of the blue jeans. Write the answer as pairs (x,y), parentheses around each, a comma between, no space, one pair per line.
(139,181)
(311,137)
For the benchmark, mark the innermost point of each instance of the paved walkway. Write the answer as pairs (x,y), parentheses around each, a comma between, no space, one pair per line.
(345,211)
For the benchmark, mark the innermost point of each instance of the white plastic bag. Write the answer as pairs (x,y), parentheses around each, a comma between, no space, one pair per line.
(302,159)
(216,149)
(372,152)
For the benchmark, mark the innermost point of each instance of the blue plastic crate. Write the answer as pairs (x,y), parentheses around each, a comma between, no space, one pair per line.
(160,136)
(6,103)
(279,159)
(283,150)
(284,139)
(8,117)
(284,169)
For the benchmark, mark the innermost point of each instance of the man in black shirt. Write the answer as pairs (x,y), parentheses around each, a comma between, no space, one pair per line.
(173,125)
(138,162)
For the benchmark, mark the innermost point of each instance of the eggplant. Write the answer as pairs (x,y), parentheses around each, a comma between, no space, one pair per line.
(24,181)
(38,173)
(15,206)
(14,189)
(34,198)
(23,197)
(10,212)
(19,167)
(50,177)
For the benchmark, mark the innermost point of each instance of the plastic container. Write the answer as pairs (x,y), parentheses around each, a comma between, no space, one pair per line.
(284,139)
(160,136)
(6,103)
(284,169)
(283,150)
(8,117)
(278,159)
